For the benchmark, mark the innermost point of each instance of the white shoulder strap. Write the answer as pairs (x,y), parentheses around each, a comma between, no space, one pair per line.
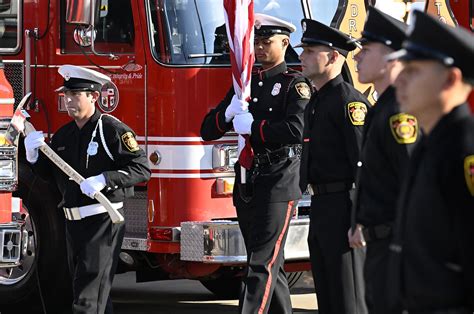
(102,139)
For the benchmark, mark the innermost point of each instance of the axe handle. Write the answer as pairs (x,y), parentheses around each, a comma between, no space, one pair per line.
(114,214)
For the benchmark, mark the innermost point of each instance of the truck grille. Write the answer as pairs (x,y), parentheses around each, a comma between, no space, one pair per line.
(14,73)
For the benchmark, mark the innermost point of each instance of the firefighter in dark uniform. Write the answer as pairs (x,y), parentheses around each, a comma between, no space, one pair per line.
(265,204)
(334,121)
(432,256)
(104,151)
(389,138)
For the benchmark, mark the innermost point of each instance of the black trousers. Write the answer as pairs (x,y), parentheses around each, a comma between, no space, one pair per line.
(93,245)
(375,275)
(337,269)
(264,227)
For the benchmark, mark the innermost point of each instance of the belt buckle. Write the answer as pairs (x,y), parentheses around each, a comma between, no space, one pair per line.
(66,213)
(291,152)
(72,213)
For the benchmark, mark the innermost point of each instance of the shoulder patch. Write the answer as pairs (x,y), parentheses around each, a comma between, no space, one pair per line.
(469,173)
(303,90)
(130,142)
(357,112)
(404,128)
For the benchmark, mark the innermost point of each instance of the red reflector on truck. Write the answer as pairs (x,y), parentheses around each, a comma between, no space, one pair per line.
(161,234)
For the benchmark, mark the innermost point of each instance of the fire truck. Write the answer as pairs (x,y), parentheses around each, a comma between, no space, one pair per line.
(169,62)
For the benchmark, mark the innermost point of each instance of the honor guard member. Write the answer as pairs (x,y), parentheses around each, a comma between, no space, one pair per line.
(334,121)
(432,251)
(265,204)
(104,151)
(389,138)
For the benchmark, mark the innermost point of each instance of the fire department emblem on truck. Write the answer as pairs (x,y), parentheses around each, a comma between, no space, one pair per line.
(109,97)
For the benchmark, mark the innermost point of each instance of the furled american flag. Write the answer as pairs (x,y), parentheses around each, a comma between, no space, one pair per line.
(240,33)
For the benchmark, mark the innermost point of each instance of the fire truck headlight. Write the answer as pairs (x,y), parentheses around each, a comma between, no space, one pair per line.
(7,169)
(224,156)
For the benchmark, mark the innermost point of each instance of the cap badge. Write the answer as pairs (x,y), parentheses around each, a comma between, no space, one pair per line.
(258,24)
(276,89)
(469,173)
(67,76)
(404,128)
(303,26)
(357,111)
(130,142)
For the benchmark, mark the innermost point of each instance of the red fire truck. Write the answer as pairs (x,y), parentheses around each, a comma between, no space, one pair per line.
(170,64)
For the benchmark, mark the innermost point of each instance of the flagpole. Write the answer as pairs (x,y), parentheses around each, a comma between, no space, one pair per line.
(239,16)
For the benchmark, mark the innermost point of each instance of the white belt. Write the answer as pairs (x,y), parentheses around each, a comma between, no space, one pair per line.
(78,213)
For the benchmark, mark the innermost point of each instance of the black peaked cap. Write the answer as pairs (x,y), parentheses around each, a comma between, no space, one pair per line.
(317,33)
(431,39)
(383,28)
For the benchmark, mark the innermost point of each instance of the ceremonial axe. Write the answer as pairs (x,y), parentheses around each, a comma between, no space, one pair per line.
(19,124)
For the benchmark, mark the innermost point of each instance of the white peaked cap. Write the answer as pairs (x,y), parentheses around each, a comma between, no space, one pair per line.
(80,78)
(267,24)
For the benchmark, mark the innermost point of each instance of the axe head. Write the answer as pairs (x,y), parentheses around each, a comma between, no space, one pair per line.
(17,124)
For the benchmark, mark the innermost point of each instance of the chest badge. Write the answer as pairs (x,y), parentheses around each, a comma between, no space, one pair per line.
(92,148)
(404,128)
(357,112)
(469,173)
(276,89)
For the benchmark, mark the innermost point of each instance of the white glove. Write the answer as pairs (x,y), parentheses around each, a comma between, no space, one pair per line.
(33,142)
(236,107)
(92,185)
(243,123)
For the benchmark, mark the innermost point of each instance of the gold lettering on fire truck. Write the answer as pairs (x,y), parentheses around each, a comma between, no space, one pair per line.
(352,21)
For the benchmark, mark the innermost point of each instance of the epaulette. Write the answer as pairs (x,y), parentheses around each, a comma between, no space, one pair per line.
(115,118)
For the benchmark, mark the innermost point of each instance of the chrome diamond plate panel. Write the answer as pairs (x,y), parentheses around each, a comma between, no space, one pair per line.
(136,215)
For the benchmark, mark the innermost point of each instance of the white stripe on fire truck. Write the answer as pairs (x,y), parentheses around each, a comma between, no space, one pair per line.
(183,139)
(7,101)
(183,157)
(191,175)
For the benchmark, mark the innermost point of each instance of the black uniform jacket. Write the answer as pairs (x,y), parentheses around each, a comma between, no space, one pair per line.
(129,167)
(389,138)
(334,121)
(278,98)
(434,230)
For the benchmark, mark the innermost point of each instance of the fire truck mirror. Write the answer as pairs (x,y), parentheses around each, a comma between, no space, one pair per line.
(83,35)
(5,5)
(84,12)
